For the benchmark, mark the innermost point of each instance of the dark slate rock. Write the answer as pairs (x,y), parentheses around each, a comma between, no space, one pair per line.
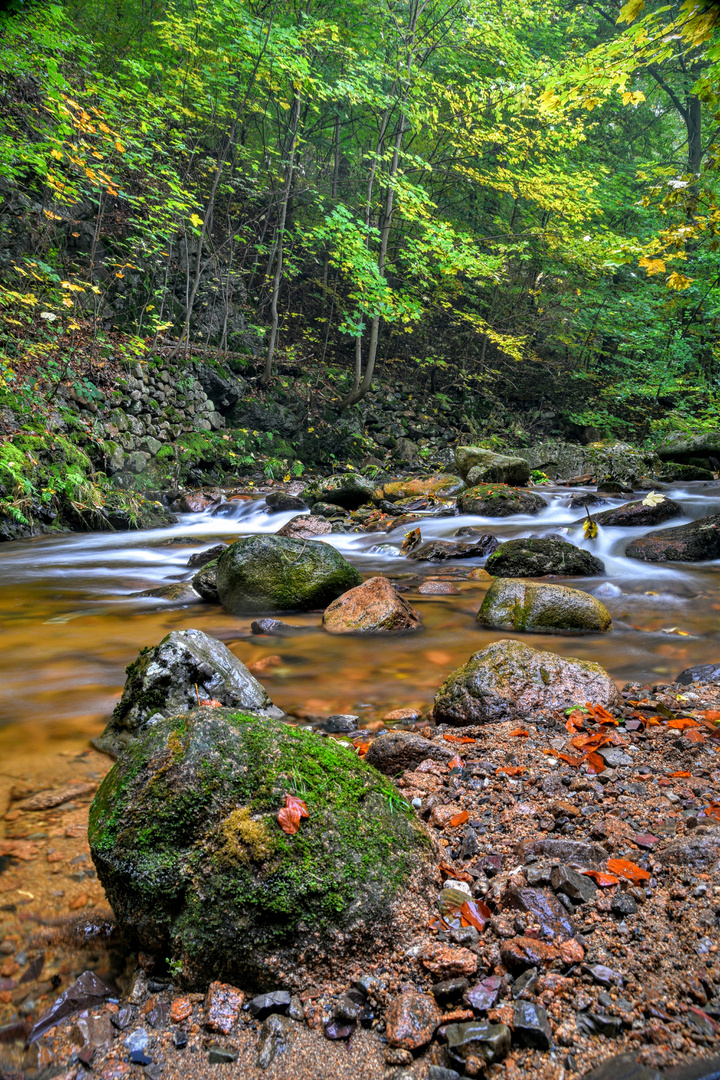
(438,1072)
(706,1069)
(201,558)
(340,724)
(575,852)
(265,1004)
(220,1055)
(626,1067)
(491,1042)
(701,673)
(544,907)
(280,500)
(530,557)
(449,990)
(577,886)
(593,1023)
(623,905)
(531,1025)
(527,981)
(276,628)
(485,994)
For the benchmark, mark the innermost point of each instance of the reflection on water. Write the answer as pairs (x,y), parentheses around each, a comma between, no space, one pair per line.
(70,622)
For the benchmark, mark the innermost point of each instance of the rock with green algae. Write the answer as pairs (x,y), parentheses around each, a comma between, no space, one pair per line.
(499,500)
(438,486)
(530,556)
(481,466)
(205,582)
(185,837)
(268,573)
(508,680)
(348,490)
(511,604)
(185,667)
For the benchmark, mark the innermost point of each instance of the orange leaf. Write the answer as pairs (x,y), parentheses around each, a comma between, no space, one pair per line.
(600,714)
(476,913)
(455,762)
(289,816)
(628,870)
(511,770)
(570,759)
(601,879)
(710,714)
(297,804)
(596,762)
(683,774)
(361,748)
(448,871)
(695,737)
(682,723)
(459,819)
(211,703)
(713,810)
(520,733)
(459,739)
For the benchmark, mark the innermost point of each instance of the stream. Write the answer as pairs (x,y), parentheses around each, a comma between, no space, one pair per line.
(71,619)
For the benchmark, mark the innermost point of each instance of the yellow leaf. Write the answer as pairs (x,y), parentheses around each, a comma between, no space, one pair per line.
(653,499)
(67,301)
(678,281)
(119,146)
(196,221)
(630,11)
(56,154)
(633,97)
(652,266)
(590,529)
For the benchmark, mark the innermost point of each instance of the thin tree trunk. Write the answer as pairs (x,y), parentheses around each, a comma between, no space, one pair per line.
(277,280)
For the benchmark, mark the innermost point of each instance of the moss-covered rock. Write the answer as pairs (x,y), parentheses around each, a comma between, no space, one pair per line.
(601,460)
(185,837)
(438,486)
(510,604)
(529,557)
(499,500)
(205,582)
(348,490)
(186,666)
(271,573)
(508,680)
(481,466)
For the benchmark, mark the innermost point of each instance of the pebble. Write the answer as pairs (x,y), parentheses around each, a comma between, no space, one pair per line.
(264,1004)
(445,960)
(273,1039)
(531,1025)
(411,1020)
(223,1007)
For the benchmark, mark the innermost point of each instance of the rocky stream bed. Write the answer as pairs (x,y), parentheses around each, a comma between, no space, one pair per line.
(531,886)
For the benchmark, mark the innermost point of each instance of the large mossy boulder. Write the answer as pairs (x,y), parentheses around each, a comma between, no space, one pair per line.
(696,542)
(480,466)
(499,500)
(185,836)
(170,677)
(640,513)
(265,574)
(348,490)
(700,449)
(508,680)
(510,604)
(438,486)
(601,461)
(531,557)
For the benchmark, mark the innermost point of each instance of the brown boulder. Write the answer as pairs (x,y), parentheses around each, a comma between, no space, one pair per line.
(399,750)
(371,608)
(305,527)
(448,960)
(411,1020)
(520,953)
(695,542)
(638,513)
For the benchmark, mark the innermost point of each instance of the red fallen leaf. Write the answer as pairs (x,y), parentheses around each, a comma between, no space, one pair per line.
(449,871)
(289,817)
(695,737)
(361,748)
(569,759)
(709,714)
(601,879)
(459,739)
(476,913)
(628,870)
(600,714)
(519,733)
(713,810)
(459,819)
(595,762)
(211,703)
(594,742)
(455,762)
(680,774)
(511,770)
(682,723)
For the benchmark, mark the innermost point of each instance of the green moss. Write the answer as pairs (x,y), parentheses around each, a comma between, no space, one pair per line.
(190,811)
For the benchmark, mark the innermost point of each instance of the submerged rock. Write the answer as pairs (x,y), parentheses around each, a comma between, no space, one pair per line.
(481,466)
(205,582)
(696,542)
(168,679)
(511,604)
(266,573)
(374,607)
(185,837)
(499,500)
(348,490)
(439,550)
(181,592)
(509,679)
(639,513)
(530,557)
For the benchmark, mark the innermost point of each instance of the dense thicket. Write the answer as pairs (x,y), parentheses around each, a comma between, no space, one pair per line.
(516,197)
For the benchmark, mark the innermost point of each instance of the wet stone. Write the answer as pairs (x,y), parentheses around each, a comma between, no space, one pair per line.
(223,1007)
(544,907)
(220,1055)
(180,1040)
(484,995)
(624,1067)
(707,1069)
(577,886)
(340,723)
(531,1025)
(592,1023)
(623,905)
(411,1020)
(477,1039)
(273,1039)
(525,982)
(574,852)
(439,1072)
(449,990)
(265,1004)
(523,952)
(603,975)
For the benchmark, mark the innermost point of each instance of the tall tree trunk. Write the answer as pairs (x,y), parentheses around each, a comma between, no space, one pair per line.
(277,280)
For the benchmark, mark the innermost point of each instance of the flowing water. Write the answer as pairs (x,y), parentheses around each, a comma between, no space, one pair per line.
(71,619)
